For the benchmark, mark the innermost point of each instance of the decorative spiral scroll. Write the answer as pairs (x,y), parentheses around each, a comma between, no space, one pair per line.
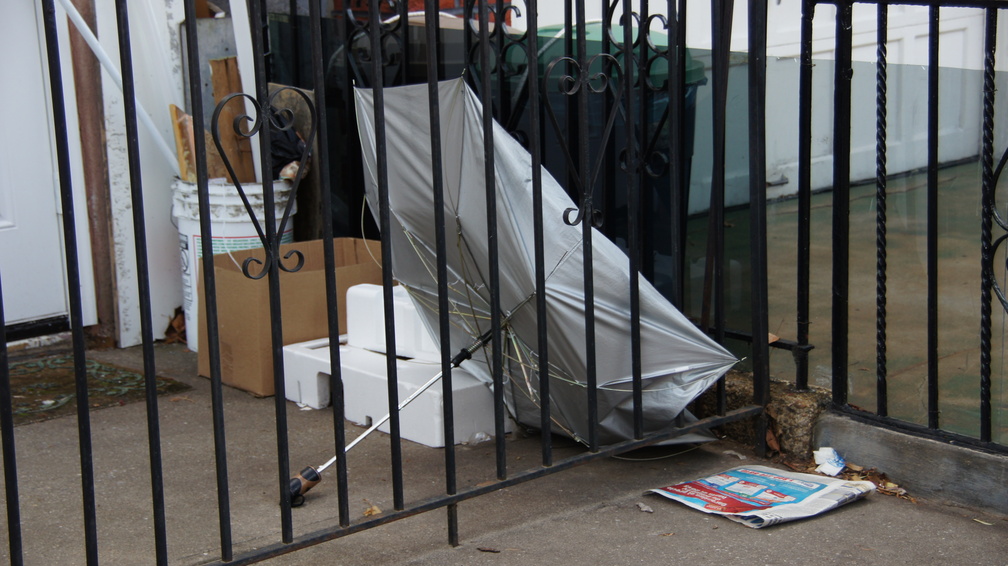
(990,267)
(570,84)
(996,216)
(997,176)
(391,33)
(617,42)
(280,119)
(596,219)
(264,266)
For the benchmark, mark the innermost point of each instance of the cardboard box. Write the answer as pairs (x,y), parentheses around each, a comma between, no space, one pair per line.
(246,348)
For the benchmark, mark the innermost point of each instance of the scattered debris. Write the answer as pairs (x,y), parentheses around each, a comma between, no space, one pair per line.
(643,507)
(982,522)
(286,146)
(829,461)
(488,549)
(176,331)
(733,453)
(372,509)
(854,472)
(478,438)
(667,534)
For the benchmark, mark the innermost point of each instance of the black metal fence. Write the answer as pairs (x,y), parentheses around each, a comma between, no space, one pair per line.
(637,192)
(930,423)
(376,49)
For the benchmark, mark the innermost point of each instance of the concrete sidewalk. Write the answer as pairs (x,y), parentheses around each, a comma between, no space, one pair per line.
(588,515)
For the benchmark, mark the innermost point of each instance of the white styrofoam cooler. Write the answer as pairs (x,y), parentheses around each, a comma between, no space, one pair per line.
(366,323)
(363,368)
(365,392)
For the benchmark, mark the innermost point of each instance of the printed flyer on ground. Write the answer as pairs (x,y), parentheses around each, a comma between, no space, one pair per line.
(758,496)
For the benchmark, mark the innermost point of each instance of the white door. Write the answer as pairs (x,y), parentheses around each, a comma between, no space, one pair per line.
(31,251)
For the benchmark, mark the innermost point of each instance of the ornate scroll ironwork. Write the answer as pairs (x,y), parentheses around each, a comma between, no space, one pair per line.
(570,83)
(281,120)
(507,50)
(392,31)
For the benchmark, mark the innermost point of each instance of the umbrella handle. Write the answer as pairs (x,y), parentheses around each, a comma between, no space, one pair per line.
(310,477)
(301,483)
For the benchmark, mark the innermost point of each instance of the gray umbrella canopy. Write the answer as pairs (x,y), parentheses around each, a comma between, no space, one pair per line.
(678,361)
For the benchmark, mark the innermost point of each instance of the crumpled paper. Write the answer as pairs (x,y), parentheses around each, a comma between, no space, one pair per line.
(829,461)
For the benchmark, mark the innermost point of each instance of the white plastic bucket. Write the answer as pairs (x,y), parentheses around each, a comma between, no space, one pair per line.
(230,225)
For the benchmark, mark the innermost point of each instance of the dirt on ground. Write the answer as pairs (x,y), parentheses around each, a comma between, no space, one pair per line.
(792,414)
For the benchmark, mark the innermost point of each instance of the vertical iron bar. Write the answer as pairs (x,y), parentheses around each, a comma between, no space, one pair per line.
(273,281)
(757,214)
(986,217)
(209,283)
(467,44)
(645,182)
(721,25)
(295,42)
(804,193)
(335,374)
(490,177)
(932,219)
(841,197)
(439,49)
(441,246)
(499,39)
(721,20)
(403,27)
(16,551)
(609,146)
(678,165)
(882,400)
(535,149)
(571,110)
(385,221)
(588,214)
(143,282)
(263,32)
(61,135)
(634,182)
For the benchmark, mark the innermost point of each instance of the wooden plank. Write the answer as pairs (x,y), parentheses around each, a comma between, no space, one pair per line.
(182,127)
(215,165)
(202,10)
(185,147)
(225,79)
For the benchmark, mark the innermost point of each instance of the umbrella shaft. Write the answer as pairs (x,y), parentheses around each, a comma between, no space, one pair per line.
(384,419)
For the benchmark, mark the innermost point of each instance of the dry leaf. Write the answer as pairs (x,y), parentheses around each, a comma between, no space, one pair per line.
(771,440)
(488,549)
(645,508)
(372,509)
